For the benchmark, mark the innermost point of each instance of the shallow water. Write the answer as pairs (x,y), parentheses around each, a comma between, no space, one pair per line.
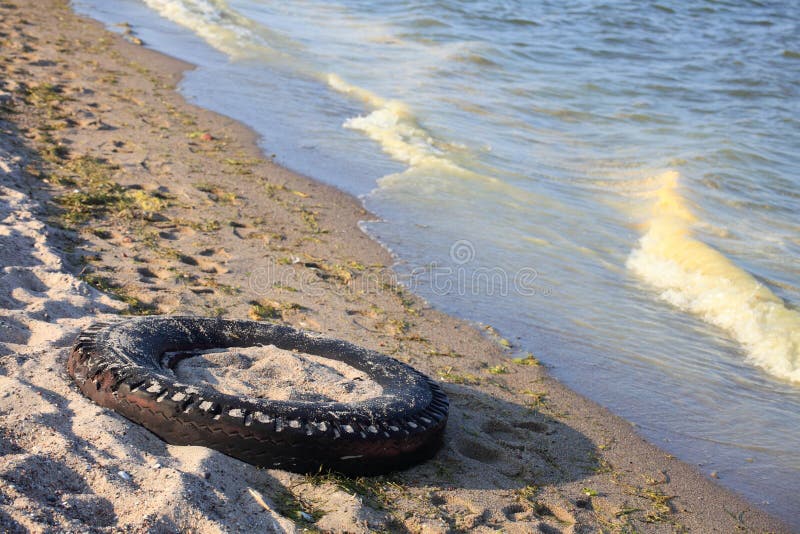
(614,186)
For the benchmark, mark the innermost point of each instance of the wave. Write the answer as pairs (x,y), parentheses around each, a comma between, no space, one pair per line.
(222,27)
(394,128)
(696,278)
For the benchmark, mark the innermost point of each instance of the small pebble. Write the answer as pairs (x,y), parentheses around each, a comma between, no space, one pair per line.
(206,475)
(123,475)
(156,465)
(714,474)
(306,517)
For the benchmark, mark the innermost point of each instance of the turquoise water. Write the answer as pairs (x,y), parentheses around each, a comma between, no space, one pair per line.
(613,185)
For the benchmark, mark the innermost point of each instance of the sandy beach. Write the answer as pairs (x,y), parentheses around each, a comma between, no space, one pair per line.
(118,197)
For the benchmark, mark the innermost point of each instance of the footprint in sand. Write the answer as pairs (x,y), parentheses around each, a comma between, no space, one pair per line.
(15,248)
(212,267)
(476,450)
(23,280)
(145,274)
(12,331)
(516,434)
(168,235)
(534,426)
(78,501)
(516,512)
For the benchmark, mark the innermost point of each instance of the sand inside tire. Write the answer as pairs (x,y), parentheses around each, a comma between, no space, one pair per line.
(268,372)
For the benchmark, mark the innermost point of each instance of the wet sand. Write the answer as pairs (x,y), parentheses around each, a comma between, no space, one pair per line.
(116,196)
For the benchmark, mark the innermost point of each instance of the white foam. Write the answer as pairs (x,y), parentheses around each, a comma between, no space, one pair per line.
(392,125)
(217,24)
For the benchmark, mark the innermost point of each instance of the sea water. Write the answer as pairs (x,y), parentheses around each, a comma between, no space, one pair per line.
(614,186)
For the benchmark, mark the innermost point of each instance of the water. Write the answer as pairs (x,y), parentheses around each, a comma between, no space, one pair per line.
(613,185)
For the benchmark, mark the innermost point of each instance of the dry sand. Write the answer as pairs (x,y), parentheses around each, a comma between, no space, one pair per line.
(111,181)
(273,373)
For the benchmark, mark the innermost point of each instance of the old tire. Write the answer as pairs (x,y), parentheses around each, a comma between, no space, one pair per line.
(120,365)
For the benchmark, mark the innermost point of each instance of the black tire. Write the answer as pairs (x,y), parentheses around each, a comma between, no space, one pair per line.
(120,365)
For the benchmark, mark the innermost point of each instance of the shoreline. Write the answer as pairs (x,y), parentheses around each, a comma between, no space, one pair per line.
(522,450)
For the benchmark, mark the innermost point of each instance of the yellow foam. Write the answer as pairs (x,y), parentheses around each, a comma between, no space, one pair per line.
(699,279)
